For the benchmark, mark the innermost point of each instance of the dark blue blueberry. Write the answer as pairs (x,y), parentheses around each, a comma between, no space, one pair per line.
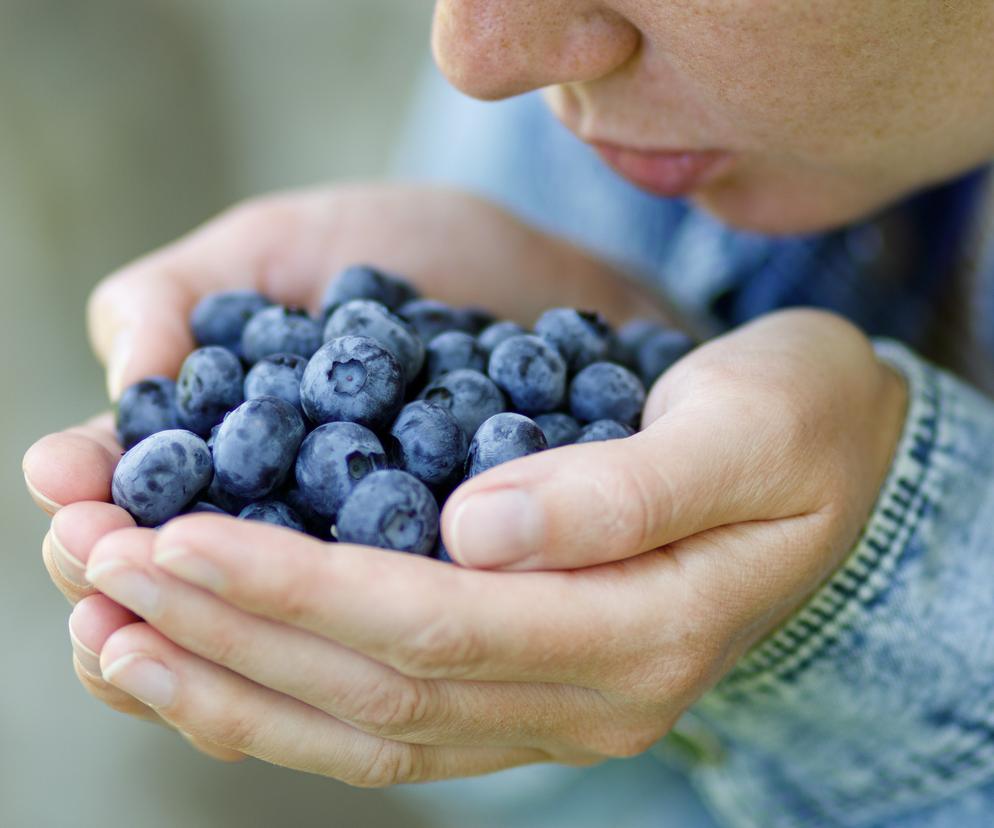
(161,476)
(278,375)
(606,391)
(475,320)
(659,351)
(629,339)
(332,461)
(353,379)
(280,330)
(363,317)
(274,512)
(366,282)
(601,430)
(581,337)
(452,350)
(220,318)
(392,510)
(210,384)
(559,429)
(531,372)
(146,408)
(468,395)
(502,438)
(440,553)
(202,507)
(430,318)
(428,443)
(491,336)
(317,526)
(256,447)
(226,502)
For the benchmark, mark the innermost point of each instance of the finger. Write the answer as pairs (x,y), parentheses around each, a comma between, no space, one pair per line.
(342,682)
(138,317)
(691,470)
(91,623)
(73,465)
(212,703)
(74,532)
(425,619)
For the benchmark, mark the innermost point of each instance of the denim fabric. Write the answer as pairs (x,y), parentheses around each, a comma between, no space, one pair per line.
(874,705)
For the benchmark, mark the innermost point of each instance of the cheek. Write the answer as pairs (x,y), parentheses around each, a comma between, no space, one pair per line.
(806,78)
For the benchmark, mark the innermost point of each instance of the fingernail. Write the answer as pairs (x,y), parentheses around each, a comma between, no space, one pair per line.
(117,364)
(128,586)
(193,570)
(146,679)
(496,528)
(45,503)
(71,567)
(88,659)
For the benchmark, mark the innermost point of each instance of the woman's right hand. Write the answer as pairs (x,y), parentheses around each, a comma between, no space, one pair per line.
(452,246)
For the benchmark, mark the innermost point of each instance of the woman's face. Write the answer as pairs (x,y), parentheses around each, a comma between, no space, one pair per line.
(775,115)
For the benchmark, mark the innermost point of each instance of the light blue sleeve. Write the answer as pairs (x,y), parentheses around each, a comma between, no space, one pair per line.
(874,705)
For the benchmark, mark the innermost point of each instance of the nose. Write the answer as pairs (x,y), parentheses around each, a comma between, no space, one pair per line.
(493,49)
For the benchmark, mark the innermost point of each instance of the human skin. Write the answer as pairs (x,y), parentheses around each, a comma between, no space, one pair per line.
(832,108)
(624,594)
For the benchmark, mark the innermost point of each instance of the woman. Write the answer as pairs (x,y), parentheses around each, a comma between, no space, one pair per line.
(824,499)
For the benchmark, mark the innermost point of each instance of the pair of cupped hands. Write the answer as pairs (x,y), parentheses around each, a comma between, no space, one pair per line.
(603,588)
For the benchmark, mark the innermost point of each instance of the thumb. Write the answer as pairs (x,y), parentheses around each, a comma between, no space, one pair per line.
(594,503)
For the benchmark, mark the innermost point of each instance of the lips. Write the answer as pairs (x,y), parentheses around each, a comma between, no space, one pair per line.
(671,174)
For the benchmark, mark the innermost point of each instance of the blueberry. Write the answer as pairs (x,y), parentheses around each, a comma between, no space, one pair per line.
(428,443)
(274,512)
(452,350)
(659,351)
(202,507)
(366,282)
(256,447)
(629,339)
(332,461)
(280,330)
(475,320)
(581,337)
(607,391)
(392,510)
(502,438)
(440,553)
(531,372)
(220,318)
(430,318)
(363,317)
(559,429)
(162,475)
(491,336)
(146,408)
(225,501)
(600,430)
(278,375)
(468,395)
(210,385)
(316,525)
(353,379)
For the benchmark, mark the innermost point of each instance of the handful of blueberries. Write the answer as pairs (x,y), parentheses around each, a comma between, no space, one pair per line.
(356,426)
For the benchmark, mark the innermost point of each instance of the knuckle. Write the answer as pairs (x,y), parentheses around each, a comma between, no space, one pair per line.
(442,648)
(391,763)
(629,742)
(394,708)
(236,731)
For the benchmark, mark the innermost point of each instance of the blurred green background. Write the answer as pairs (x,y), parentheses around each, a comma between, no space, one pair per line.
(124,123)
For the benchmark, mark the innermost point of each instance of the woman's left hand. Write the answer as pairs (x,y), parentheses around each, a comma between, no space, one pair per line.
(642,570)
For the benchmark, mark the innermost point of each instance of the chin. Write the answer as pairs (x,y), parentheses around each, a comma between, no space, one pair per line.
(789,208)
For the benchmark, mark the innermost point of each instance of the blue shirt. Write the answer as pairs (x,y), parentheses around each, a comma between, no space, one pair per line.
(874,705)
